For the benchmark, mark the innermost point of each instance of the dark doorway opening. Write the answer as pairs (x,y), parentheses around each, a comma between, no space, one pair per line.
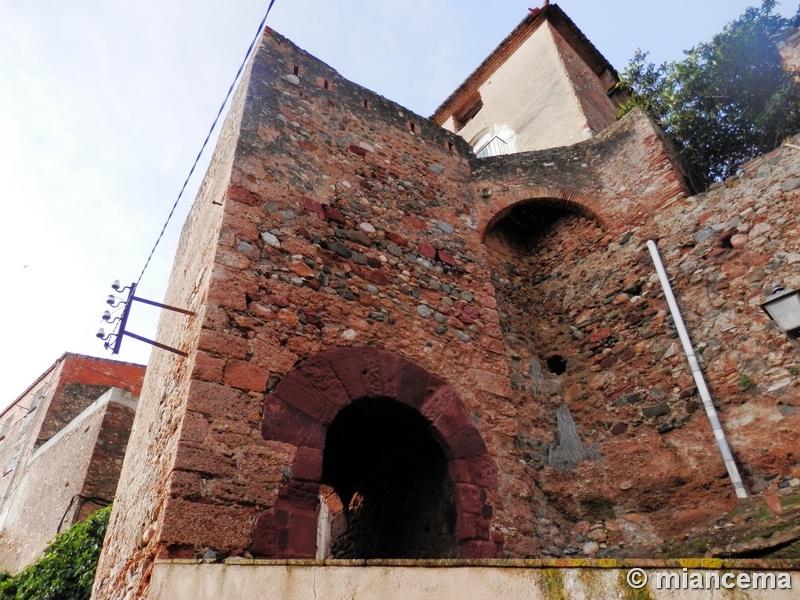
(527,224)
(392,479)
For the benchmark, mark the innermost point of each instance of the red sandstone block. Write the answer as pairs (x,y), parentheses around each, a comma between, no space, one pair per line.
(265,536)
(397,239)
(599,334)
(466,443)
(482,524)
(225,344)
(246,376)
(453,419)
(413,222)
(426,250)
(214,400)
(378,277)
(465,527)
(307,465)
(436,398)
(194,427)
(302,528)
(446,258)
(312,206)
(478,549)
(492,345)
(283,422)
(609,361)
(296,390)
(413,382)
(207,368)
(307,146)
(319,372)
(301,269)
(191,457)
(185,484)
(206,525)
(357,150)
(267,354)
(459,471)
(493,383)
(482,469)
(358,371)
(299,494)
(243,196)
(391,368)
(467,498)
(331,214)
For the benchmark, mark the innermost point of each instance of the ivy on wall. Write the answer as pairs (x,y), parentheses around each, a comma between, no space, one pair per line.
(66,569)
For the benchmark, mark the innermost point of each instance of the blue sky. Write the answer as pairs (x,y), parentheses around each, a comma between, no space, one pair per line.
(105,103)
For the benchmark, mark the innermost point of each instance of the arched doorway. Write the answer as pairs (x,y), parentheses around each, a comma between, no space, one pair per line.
(392,479)
(393,441)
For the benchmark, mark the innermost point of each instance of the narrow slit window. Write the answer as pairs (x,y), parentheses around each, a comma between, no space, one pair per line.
(412,127)
(365,103)
(326,84)
(296,70)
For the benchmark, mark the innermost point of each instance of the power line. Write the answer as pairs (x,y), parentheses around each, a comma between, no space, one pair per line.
(208,137)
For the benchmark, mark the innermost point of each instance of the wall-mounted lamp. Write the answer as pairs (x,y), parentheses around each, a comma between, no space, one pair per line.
(783,307)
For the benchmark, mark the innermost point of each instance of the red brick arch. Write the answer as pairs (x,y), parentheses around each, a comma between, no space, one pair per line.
(304,404)
(502,203)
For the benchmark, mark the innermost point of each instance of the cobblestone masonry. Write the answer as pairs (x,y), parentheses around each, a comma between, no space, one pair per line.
(343,220)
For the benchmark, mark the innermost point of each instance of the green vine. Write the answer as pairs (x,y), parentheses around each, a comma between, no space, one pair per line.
(66,569)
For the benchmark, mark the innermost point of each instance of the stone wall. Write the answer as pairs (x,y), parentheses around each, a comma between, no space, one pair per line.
(343,250)
(348,223)
(591,298)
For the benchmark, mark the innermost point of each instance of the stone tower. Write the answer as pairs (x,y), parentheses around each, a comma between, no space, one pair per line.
(387,326)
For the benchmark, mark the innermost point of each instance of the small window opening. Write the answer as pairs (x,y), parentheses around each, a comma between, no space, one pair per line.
(412,127)
(451,147)
(557,364)
(467,110)
(296,70)
(326,84)
(365,103)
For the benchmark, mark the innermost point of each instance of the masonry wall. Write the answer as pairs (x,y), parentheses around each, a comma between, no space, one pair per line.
(87,379)
(592,298)
(344,248)
(349,223)
(31,505)
(68,478)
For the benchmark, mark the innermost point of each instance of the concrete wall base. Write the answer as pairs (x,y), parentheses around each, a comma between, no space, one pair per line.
(451,580)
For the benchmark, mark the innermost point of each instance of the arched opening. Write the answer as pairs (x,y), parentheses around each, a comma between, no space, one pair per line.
(371,426)
(392,478)
(538,246)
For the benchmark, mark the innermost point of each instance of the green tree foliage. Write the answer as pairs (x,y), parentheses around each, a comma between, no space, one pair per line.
(728,101)
(66,569)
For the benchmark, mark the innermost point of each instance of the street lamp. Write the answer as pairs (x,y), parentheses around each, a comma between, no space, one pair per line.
(783,307)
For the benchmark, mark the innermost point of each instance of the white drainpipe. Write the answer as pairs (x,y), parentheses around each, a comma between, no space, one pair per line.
(699,380)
